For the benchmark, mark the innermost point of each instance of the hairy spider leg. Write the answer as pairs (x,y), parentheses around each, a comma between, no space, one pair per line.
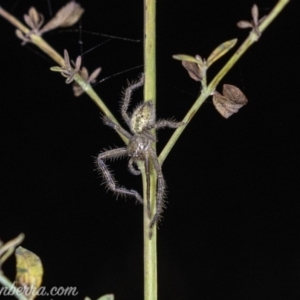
(168,123)
(150,136)
(160,189)
(127,97)
(107,121)
(109,179)
(132,169)
(147,172)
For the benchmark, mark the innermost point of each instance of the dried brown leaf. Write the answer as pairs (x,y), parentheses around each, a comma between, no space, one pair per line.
(94,75)
(255,14)
(230,102)
(66,70)
(84,73)
(244,24)
(261,20)
(67,16)
(193,70)
(34,15)
(235,94)
(34,19)
(77,90)
(223,105)
(21,36)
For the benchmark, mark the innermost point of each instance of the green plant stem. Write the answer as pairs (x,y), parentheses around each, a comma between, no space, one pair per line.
(46,48)
(11,288)
(8,248)
(150,255)
(252,38)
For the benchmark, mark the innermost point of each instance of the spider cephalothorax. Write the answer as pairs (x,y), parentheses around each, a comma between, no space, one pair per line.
(138,149)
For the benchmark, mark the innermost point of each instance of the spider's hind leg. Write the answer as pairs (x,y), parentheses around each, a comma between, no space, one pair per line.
(161,190)
(147,172)
(109,179)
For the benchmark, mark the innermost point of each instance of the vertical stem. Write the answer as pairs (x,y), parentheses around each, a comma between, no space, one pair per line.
(150,256)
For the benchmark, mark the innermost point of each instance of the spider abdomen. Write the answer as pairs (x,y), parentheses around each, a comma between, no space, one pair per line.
(143,117)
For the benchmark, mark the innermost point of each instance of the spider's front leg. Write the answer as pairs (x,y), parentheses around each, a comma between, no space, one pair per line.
(168,123)
(127,97)
(108,122)
(109,179)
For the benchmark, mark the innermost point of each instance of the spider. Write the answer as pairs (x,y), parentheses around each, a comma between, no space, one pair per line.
(139,148)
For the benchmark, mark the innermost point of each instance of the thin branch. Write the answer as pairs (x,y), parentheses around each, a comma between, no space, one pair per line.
(8,248)
(5,251)
(11,287)
(253,37)
(45,47)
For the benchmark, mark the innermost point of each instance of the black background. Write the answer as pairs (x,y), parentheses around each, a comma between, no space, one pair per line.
(231,228)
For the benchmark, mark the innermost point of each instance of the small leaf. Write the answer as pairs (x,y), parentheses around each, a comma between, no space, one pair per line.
(33,14)
(34,19)
(189,58)
(244,24)
(37,18)
(255,14)
(92,78)
(84,73)
(28,21)
(21,36)
(220,51)
(29,272)
(231,101)
(71,14)
(193,70)
(67,70)
(261,19)
(199,58)
(107,297)
(56,69)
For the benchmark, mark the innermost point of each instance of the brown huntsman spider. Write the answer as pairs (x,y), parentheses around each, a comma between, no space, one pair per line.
(139,149)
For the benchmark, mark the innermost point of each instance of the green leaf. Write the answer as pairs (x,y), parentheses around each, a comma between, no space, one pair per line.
(187,58)
(107,297)
(56,69)
(220,51)
(29,271)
